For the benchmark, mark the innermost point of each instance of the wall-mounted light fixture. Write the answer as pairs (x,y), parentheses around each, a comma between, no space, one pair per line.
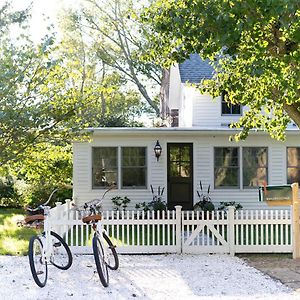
(157,150)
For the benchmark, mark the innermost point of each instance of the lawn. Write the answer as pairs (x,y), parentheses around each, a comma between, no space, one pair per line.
(13,239)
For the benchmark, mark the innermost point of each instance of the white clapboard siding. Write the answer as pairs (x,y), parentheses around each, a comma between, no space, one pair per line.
(203,169)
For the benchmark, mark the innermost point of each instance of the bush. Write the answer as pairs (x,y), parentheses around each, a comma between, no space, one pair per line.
(120,202)
(38,194)
(9,196)
(156,204)
(224,205)
(204,204)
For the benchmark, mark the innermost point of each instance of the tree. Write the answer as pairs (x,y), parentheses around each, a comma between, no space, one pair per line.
(116,41)
(110,103)
(253,46)
(49,93)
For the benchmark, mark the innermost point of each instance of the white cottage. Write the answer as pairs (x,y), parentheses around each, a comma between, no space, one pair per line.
(196,147)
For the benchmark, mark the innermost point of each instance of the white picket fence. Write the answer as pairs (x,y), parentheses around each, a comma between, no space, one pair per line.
(180,231)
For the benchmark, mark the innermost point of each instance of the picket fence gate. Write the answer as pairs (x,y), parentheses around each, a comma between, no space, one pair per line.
(177,231)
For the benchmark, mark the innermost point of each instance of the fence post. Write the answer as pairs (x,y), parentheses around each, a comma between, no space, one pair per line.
(231,212)
(295,221)
(57,216)
(178,229)
(68,204)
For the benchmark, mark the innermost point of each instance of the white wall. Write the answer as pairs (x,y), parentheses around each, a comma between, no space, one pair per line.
(157,171)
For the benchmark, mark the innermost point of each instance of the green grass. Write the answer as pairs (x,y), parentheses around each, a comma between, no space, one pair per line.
(133,235)
(13,239)
(258,235)
(128,235)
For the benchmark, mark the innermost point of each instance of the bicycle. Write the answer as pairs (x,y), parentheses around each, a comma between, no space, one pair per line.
(104,251)
(47,247)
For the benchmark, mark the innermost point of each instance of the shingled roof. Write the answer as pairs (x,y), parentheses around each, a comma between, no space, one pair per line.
(194,69)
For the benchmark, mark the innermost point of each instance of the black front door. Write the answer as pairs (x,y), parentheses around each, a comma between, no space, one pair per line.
(180,175)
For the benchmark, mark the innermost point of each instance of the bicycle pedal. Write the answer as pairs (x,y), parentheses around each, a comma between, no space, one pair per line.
(58,244)
(39,273)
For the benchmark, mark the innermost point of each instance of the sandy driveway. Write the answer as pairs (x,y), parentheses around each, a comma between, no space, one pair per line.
(145,277)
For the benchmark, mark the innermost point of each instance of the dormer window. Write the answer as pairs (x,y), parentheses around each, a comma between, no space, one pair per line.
(229,108)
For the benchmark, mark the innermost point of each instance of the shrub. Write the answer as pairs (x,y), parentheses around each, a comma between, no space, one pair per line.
(9,196)
(120,202)
(157,203)
(224,205)
(204,203)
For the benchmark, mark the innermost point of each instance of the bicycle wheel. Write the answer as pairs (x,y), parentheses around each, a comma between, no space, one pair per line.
(61,257)
(113,260)
(100,261)
(38,265)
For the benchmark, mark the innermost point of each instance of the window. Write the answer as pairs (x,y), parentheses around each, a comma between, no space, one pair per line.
(106,170)
(255,162)
(229,108)
(105,166)
(134,167)
(293,165)
(226,167)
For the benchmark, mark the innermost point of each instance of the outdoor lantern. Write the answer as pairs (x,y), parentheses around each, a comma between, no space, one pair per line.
(157,150)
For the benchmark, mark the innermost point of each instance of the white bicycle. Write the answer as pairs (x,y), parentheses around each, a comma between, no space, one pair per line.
(104,251)
(47,247)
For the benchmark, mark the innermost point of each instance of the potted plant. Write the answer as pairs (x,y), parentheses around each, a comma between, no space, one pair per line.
(204,204)
(157,203)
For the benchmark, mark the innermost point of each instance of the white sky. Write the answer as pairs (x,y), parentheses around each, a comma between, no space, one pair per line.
(42,9)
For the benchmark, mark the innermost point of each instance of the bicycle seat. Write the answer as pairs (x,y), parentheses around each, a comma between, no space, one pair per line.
(31,219)
(92,218)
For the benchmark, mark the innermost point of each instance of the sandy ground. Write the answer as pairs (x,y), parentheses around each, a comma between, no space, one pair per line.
(145,277)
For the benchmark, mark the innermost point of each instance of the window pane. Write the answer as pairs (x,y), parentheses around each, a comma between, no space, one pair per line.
(174,153)
(185,153)
(254,176)
(225,109)
(134,167)
(134,177)
(133,156)
(235,109)
(226,177)
(293,156)
(293,164)
(174,169)
(226,167)
(226,157)
(293,175)
(104,170)
(255,162)
(229,108)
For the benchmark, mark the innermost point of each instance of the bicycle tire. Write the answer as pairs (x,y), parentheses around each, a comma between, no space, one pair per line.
(37,266)
(63,249)
(100,261)
(113,265)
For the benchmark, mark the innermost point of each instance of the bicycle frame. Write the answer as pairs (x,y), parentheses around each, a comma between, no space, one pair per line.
(47,244)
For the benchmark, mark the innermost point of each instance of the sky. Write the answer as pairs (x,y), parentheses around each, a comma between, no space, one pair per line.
(40,10)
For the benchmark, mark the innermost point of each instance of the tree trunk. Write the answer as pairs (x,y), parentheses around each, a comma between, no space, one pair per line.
(293,112)
(164,94)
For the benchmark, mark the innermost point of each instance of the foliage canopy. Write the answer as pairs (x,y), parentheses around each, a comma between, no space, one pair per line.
(252,44)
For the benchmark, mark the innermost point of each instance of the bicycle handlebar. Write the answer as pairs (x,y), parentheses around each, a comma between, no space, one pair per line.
(41,206)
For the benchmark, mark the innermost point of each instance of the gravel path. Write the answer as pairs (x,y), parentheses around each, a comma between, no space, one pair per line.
(145,277)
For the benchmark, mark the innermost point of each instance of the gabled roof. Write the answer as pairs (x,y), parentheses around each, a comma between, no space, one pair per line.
(194,69)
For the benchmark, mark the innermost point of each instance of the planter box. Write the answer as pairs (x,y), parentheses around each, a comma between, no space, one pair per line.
(276,195)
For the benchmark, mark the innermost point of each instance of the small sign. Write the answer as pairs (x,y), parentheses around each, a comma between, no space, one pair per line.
(276,195)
